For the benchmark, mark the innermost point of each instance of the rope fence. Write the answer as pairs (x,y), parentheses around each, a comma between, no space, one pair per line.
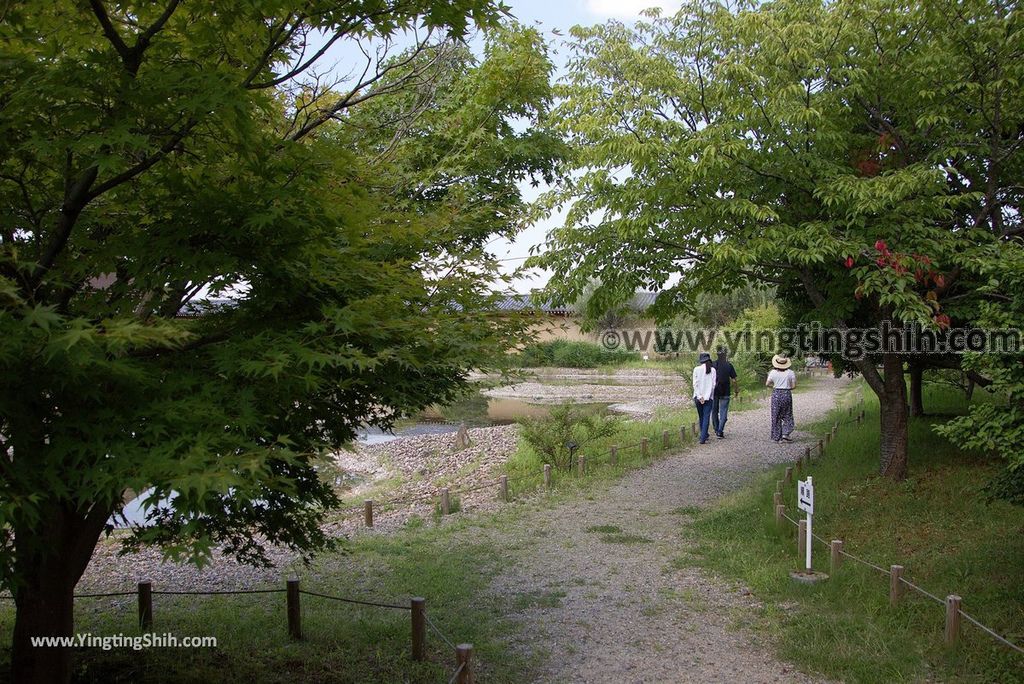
(897,581)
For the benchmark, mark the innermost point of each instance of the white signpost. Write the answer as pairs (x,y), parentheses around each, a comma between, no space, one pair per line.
(805,502)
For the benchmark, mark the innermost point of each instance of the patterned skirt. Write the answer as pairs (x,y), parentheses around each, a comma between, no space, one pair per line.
(782,413)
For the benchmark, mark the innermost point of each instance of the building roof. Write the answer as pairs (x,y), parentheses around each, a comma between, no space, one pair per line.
(641,301)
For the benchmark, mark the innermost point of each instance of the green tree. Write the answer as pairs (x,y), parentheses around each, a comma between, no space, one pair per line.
(160,157)
(863,157)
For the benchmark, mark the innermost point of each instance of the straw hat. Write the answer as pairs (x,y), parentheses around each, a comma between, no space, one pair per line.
(781,362)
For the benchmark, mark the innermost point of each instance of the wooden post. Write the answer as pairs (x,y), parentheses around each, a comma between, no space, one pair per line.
(799,464)
(801,539)
(368,512)
(503,487)
(547,476)
(664,439)
(821,448)
(780,512)
(693,429)
(807,454)
(895,585)
(828,438)
(446,502)
(789,475)
(294,611)
(777,498)
(146,605)
(952,619)
(613,455)
(582,462)
(778,485)
(419,628)
(682,434)
(643,447)
(464,659)
(837,555)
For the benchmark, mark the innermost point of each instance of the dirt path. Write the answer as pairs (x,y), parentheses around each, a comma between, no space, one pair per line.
(600,597)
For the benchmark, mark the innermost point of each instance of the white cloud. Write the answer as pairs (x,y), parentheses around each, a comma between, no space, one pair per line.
(628,9)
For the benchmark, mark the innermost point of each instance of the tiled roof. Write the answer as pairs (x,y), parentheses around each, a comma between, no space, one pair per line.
(521,302)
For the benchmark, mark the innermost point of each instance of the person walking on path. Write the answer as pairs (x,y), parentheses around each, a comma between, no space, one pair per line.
(724,372)
(703,392)
(782,380)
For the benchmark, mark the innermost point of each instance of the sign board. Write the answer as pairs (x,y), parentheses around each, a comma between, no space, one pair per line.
(805,496)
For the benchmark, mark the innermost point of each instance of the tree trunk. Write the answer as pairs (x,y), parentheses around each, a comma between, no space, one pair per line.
(893,412)
(50,557)
(916,400)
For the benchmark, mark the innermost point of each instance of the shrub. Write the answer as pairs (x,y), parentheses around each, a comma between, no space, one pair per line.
(569,354)
(548,435)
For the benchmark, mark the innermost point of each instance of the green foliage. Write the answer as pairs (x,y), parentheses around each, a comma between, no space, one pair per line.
(151,161)
(939,508)
(548,435)
(569,354)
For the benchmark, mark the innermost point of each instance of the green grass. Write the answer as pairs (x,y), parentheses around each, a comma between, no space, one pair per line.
(342,642)
(938,524)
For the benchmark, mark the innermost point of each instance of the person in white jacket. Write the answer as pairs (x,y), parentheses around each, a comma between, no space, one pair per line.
(704,381)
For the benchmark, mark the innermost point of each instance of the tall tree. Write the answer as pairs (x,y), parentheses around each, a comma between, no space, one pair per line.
(862,156)
(156,159)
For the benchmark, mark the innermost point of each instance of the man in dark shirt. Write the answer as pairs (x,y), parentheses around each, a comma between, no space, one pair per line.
(720,403)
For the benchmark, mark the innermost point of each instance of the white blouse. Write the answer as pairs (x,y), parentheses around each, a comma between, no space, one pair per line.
(782,379)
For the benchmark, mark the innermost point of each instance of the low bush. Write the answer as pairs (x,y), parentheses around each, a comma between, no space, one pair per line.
(569,354)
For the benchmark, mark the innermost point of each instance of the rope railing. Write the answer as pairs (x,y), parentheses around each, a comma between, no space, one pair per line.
(455,675)
(374,604)
(951,603)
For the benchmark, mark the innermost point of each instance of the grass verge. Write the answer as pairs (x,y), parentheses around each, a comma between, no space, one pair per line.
(938,524)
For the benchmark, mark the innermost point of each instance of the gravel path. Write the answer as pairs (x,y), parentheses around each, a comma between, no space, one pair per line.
(607,603)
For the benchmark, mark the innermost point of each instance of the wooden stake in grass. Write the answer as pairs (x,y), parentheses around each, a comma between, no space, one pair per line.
(503,487)
(789,475)
(693,429)
(146,605)
(778,485)
(613,455)
(643,448)
(446,502)
(682,434)
(419,628)
(821,448)
(294,611)
(582,465)
(547,476)
(664,439)
(464,661)
(799,463)
(836,558)
(777,498)
(368,512)
(807,454)
(952,619)
(780,515)
(895,585)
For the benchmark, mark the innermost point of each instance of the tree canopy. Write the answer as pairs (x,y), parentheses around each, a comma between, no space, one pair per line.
(861,156)
(161,159)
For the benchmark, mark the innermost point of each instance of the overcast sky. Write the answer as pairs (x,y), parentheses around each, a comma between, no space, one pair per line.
(548,15)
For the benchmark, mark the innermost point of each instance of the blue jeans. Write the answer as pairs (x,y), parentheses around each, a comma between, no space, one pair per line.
(720,413)
(703,416)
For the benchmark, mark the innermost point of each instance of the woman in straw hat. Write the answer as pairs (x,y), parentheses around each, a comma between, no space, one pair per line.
(782,381)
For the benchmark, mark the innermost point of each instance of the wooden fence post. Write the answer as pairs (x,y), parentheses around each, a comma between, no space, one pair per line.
(613,455)
(828,438)
(446,502)
(419,628)
(952,619)
(780,515)
(778,485)
(146,605)
(799,464)
(368,512)
(807,454)
(664,439)
(643,447)
(821,448)
(582,463)
(682,434)
(777,499)
(789,475)
(294,611)
(503,487)
(895,585)
(801,539)
(836,558)
(464,659)
(547,476)
(693,429)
